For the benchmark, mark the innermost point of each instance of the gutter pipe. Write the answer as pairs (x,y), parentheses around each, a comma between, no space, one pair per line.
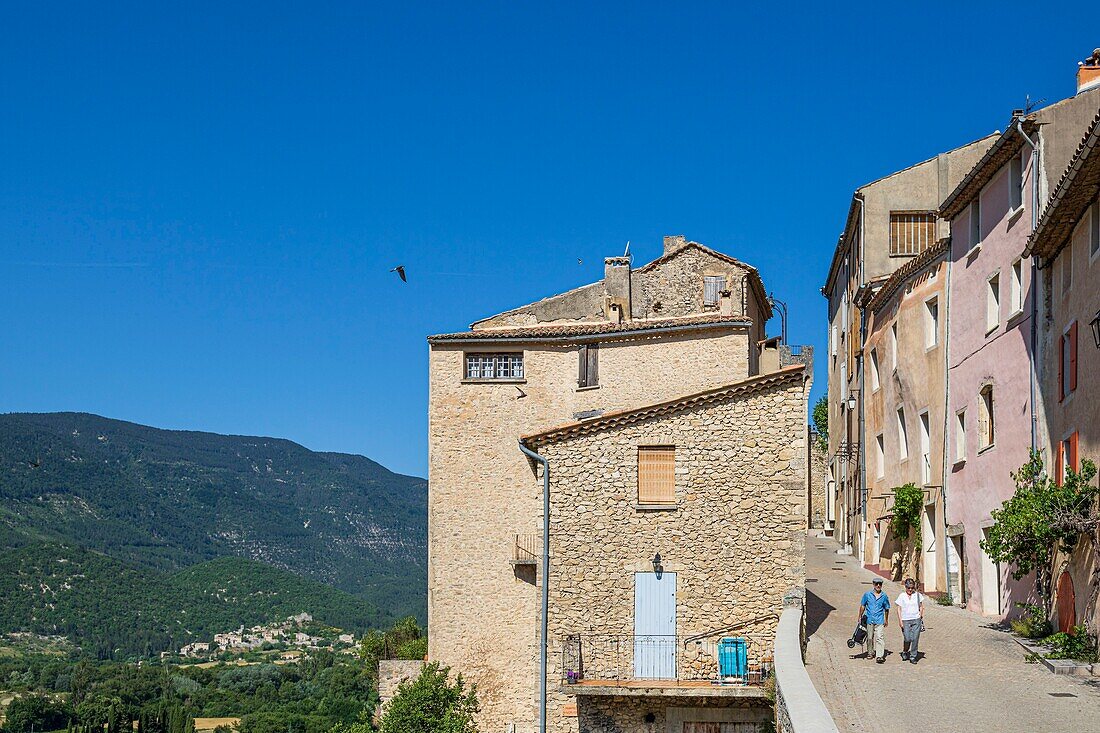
(545,577)
(1034,281)
(862,424)
(946,422)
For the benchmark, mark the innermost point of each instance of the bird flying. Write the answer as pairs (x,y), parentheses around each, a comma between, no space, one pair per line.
(400,270)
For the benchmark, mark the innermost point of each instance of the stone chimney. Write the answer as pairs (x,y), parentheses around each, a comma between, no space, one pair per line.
(674,242)
(616,288)
(1088,72)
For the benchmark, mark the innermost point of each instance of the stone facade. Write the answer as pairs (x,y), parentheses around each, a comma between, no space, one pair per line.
(482,608)
(817,479)
(391,674)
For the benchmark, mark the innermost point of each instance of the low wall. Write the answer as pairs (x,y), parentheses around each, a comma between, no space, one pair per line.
(391,673)
(798,707)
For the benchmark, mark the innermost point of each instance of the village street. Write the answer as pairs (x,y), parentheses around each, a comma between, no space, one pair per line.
(970,677)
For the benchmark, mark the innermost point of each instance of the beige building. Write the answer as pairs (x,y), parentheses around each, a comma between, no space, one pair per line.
(676,496)
(903,403)
(890,221)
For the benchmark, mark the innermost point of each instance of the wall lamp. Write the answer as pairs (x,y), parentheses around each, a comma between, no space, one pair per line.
(852,400)
(657,567)
(1095,323)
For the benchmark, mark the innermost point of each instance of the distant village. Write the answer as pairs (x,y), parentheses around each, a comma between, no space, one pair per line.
(298,631)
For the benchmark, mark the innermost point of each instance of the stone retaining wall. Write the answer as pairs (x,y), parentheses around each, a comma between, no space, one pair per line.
(798,707)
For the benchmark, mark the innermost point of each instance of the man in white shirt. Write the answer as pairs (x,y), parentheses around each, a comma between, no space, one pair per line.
(911,611)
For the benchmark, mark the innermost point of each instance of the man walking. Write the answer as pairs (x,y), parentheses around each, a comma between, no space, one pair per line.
(911,611)
(876,605)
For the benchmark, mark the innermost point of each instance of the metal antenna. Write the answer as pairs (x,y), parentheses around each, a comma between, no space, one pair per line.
(1029,105)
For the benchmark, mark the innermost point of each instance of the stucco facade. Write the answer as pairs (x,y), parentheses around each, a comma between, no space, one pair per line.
(655,340)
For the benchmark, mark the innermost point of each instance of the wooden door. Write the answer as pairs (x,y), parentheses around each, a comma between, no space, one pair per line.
(1064,603)
(655,626)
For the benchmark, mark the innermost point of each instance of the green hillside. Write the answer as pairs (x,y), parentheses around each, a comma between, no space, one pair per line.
(162,500)
(114,609)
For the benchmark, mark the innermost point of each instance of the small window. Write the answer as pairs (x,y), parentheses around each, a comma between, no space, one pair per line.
(903,436)
(932,322)
(874,370)
(494,366)
(911,232)
(1066,460)
(993,303)
(976,222)
(588,365)
(657,474)
(1066,259)
(925,450)
(1016,294)
(713,285)
(880,456)
(960,435)
(1094,229)
(894,346)
(1067,362)
(1015,183)
(833,341)
(986,430)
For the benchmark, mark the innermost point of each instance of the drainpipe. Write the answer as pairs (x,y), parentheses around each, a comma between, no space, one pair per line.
(545,578)
(946,422)
(1034,280)
(862,424)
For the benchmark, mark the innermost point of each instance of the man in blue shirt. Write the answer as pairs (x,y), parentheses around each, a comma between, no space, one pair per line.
(876,605)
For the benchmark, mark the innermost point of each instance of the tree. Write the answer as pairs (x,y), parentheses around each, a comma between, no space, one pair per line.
(821,421)
(1041,519)
(432,704)
(35,712)
(405,640)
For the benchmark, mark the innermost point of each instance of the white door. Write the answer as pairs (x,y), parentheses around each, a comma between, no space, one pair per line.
(954,569)
(655,626)
(991,583)
(928,534)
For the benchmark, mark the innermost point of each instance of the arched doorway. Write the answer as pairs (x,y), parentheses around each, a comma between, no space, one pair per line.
(1064,605)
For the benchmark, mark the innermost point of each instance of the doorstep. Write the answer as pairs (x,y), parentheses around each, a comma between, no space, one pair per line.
(1059,666)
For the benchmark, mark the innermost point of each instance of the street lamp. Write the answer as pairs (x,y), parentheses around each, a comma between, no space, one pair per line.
(1096,329)
(852,401)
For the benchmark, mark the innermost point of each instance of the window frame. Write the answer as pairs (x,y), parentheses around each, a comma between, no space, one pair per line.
(903,435)
(988,410)
(974,224)
(1016,288)
(992,303)
(1015,184)
(588,365)
(931,322)
(876,381)
(651,499)
(918,228)
(510,379)
(720,286)
(880,455)
(925,425)
(1067,361)
(960,435)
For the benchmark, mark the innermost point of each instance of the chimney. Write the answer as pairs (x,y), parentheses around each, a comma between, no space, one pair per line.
(1088,72)
(674,242)
(616,288)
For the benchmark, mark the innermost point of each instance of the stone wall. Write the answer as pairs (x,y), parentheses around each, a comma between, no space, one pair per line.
(646,715)
(482,491)
(817,477)
(798,707)
(735,539)
(391,673)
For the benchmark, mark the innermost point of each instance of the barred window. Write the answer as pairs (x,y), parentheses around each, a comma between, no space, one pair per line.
(911,232)
(494,366)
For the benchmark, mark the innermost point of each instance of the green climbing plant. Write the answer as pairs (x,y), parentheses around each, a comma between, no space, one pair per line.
(908,505)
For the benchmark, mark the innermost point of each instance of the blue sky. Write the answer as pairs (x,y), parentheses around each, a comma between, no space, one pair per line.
(199,204)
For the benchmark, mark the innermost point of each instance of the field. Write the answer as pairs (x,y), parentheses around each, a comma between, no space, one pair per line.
(208,724)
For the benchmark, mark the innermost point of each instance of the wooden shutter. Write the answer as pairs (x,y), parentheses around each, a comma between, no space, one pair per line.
(1072,462)
(1061,367)
(582,365)
(1073,357)
(588,365)
(657,474)
(1058,464)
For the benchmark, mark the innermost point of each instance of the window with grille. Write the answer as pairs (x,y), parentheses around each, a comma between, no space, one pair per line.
(713,285)
(588,365)
(911,232)
(657,474)
(494,366)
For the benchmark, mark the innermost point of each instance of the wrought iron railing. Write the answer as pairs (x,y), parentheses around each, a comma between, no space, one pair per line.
(628,658)
(526,549)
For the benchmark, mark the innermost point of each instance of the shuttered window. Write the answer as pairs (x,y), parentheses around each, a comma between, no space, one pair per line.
(1067,362)
(713,285)
(911,232)
(986,429)
(657,474)
(588,365)
(494,366)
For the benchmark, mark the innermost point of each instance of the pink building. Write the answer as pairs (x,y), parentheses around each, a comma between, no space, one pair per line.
(994,405)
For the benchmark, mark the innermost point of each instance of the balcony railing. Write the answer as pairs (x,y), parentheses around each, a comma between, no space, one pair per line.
(526,549)
(603,659)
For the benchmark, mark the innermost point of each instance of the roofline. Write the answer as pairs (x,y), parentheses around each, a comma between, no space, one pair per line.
(580,338)
(958,199)
(637,414)
(906,271)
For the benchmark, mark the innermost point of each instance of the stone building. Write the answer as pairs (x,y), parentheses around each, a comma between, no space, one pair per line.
(994,401)
(671,426)
(903,407)
(890,221)
(1066,248)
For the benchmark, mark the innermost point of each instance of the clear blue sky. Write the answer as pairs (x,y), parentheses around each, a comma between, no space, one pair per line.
(199,206)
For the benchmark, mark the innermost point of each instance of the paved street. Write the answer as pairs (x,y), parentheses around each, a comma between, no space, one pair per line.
(970,678)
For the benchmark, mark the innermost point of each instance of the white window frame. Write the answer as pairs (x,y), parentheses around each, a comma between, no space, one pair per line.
(499,366)
(960,435)
(931,323)
(990,412)
(992,303)
(875,383)
(974,224)
(903,436)
(1015,184)
(1016,288)
(925,447)
(833,347)
(880,455)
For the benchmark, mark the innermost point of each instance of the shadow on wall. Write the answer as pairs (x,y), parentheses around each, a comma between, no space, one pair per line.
(817,610)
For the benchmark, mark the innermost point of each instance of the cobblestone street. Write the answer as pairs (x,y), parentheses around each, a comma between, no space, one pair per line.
(970,677)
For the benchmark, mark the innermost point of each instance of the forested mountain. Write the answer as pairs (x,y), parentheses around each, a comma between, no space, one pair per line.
(159,501)
(113,609)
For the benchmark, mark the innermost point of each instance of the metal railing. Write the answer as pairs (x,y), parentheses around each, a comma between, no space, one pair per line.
(628,658)
(526,549)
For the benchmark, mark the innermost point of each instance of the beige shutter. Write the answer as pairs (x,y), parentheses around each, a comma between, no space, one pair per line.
(657,474)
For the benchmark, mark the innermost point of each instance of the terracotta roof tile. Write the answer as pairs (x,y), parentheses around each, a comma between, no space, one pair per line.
(595,328)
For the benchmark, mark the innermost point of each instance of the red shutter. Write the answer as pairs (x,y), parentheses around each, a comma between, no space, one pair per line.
(1061,367)
(1073,452)
(1073,357)
(1058,465)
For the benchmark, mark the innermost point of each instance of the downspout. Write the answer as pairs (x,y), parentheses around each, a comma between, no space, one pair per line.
(862,424)
(1034,282)
(946,422)
(545,578)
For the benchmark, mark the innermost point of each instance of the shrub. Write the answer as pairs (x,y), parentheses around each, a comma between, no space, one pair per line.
(1077,645)
(1033,623)
(432,703)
